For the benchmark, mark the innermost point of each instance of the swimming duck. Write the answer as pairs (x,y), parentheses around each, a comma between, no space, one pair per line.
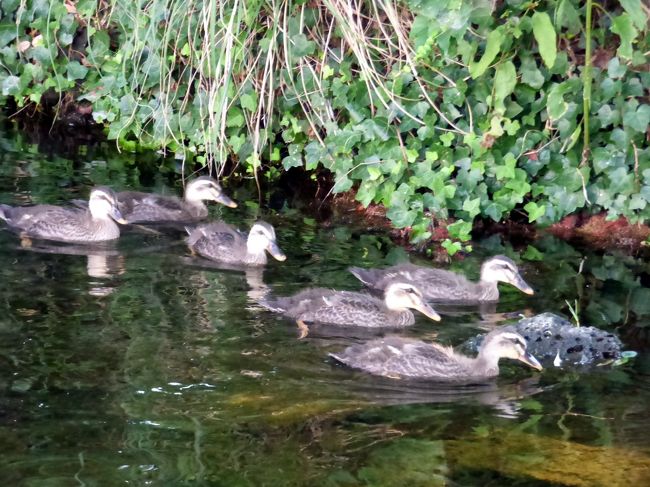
(353,309)
(223,243)
(402,357)
(140,207)
(442,285)
(94,224)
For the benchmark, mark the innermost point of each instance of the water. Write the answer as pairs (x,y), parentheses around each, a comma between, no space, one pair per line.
(134,364)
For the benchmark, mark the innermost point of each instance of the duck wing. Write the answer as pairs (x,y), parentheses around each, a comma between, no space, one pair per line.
(141,207)
(435,284)
(49,222)
(217,241)
(321,305)
(401,357)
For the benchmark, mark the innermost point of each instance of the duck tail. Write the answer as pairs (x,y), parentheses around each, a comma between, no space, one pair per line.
(4,212)
(337,358)
(364,275)
(271,304)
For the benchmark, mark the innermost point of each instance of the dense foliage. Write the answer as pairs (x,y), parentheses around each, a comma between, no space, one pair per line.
(434,108)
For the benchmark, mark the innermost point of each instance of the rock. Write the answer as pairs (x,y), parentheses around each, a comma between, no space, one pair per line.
(555,341)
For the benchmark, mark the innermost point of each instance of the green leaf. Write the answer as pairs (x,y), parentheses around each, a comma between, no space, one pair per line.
(505,80)
(492,47)
(302,46)
(530,75)
(638,120)
(556,106)
(472,206)
(76,70)
(451,247)
(532,253)
(249,101)
(343,183)
(623,26)
(545,36)
(639,16)
(507,169)
(567,16)
(11,86)
(534,211)
(615,69)
(294,159)
(460,230)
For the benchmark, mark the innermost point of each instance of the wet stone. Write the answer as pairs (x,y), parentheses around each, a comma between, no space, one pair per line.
(549,335)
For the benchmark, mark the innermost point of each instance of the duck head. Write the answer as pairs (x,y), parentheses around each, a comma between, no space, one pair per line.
(206,188)
(502,269)
(262,238)
(102,204)
(400,295)
(506,344)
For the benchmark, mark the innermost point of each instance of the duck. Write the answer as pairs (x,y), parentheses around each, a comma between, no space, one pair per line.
(398,357)
(224,243)
(138,207)
(349,308)
(96,223)
(446,286)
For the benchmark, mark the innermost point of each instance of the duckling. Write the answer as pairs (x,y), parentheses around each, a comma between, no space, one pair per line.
(398,357)
(223,243)
(446,286)
(95,224)
(140,207)
(349,308)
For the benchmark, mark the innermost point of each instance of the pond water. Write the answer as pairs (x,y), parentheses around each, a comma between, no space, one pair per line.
(135,364)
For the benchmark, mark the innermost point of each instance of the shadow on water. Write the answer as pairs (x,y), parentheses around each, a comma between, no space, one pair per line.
(139,363)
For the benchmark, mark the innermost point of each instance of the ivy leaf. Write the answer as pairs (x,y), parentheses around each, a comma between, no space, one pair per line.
(294,159)
(607,116)
(472,206)
(492,48)
(639,17)
(623,26)
(367,192)
(532,253)
(534,211)
(638,120)
(451,247)
(302,46)
(401,216)
(506,170)
(505,80)
(545,36)
(343,183)
(530,75)
(556,105)
(567,16)
(11,86)
(615,69)
(249,101)
(76,70)
(460,230)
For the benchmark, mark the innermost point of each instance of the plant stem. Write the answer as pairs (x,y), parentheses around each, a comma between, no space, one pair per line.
(586,85)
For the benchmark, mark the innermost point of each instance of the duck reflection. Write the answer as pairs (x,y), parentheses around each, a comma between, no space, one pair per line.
(257,288)
(505,398)
(103,261)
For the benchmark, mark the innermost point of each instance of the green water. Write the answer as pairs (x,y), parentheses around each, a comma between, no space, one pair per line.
(137,365)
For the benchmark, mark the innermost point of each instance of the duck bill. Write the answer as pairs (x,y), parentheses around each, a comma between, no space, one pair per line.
(522,285)
(528,359)
(428,311)
(275,251)
(117,216)
(224,200)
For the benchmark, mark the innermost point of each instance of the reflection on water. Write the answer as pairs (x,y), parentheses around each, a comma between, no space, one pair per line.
(139,363)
